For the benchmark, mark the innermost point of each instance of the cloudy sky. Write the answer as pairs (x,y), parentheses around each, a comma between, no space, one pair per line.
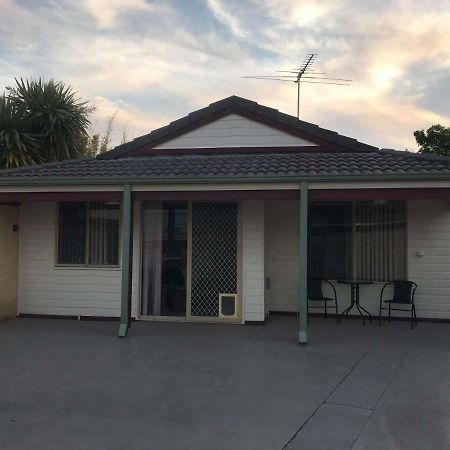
(155,61)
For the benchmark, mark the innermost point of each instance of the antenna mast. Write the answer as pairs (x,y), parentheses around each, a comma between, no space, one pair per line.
(304,74)
(303,68)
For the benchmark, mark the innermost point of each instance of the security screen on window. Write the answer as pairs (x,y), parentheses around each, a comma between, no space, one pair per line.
(88,233)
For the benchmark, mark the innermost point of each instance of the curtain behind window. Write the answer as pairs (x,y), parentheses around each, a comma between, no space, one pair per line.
(152,246)
(380,240)
(103,234)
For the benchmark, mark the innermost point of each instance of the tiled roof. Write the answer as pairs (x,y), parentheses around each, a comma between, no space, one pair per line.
(235,166)
(239,104)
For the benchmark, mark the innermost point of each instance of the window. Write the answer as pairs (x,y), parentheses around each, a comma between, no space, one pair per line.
(72,233)
(330,240)
(364,240)
(380,248)
(88,233)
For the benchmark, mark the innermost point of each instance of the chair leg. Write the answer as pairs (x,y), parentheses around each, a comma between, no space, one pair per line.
(389,312)
(307,312)
(326,311)
(337,314)
(412,318)
(415,316)
(379,317)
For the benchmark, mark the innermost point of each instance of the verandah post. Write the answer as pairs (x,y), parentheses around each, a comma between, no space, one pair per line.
(127,237)
(303,265)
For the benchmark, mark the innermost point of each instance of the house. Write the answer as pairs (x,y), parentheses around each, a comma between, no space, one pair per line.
(220,217)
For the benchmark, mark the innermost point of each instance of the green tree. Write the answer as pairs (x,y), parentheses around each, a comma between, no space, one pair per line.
(435,140)
(18,145)
(89,145)
(54,115)
(96,143)
(43,121)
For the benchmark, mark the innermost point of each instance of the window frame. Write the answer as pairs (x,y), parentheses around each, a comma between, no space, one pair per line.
(86,255)
(349,240)
(353,238)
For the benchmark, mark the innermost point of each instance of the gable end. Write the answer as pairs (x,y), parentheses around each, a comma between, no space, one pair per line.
(279,131)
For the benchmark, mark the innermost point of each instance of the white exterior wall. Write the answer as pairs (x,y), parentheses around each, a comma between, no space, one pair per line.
(281,258)
(234,131)
(46,289)
(270,248)
(428,230)
(137,267)
(253,260)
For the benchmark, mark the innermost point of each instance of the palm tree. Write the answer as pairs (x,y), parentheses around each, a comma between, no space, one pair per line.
(54,115)
(18,146)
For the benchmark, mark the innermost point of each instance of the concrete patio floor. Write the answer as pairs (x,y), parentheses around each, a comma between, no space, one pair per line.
(74,385)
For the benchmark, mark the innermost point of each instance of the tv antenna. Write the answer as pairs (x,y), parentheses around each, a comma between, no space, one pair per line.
(304,74)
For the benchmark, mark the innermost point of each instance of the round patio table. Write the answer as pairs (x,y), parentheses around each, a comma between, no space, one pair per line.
(354,297)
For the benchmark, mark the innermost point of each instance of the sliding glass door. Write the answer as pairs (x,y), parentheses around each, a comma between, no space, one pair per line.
(164,258)
(190,261)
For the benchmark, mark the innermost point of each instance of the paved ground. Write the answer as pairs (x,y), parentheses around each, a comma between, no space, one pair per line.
(74,385)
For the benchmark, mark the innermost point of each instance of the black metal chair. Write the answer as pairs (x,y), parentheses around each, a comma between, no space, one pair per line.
(404,291)
(315,294)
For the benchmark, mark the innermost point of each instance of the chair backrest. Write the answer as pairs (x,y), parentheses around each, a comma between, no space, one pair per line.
(314,288)
(403,290)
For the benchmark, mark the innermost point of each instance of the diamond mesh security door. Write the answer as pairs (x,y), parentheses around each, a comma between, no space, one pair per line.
(214,255)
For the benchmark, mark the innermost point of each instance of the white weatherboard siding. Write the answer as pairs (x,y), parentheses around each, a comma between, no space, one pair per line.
(428,230)
(270,248)
(253,260)
(234,131)
(46,289)
(137,268)
(282,244)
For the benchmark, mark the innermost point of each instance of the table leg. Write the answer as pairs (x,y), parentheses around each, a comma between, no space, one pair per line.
(352,302)
(365,310)
(358,305)
(361,314)
(347,310)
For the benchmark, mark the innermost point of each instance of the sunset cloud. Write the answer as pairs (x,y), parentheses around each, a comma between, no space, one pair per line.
(155,61)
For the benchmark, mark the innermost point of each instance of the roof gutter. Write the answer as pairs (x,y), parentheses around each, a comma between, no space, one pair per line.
(223,180)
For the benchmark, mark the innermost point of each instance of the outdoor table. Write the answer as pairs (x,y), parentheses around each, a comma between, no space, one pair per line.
(354,297)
